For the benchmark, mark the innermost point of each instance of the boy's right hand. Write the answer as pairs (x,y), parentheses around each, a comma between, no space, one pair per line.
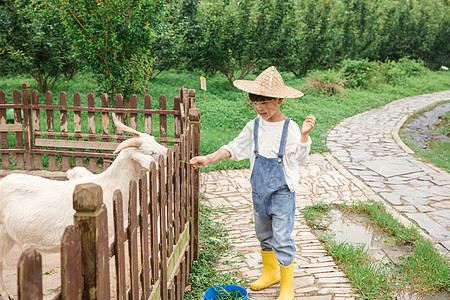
(199,161)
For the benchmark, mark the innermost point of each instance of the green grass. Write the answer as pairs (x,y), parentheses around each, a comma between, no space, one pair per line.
(372,280)
(424,272)
(437,152)
(227,109)
(314,214)
(214,244)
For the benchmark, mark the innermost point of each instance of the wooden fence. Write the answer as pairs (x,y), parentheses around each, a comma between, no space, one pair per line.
(152,254)
(62,141)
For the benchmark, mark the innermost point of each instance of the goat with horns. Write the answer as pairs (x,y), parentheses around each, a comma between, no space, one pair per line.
(35,211)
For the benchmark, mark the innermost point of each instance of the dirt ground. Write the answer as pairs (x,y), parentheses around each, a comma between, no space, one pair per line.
(50,269)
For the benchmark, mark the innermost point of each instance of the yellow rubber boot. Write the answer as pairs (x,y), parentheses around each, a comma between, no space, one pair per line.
(270,274)
(287,283)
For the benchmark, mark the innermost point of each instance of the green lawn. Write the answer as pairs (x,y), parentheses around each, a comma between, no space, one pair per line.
(226,109)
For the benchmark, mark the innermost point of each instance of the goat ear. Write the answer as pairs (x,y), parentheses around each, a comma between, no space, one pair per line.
(142,159)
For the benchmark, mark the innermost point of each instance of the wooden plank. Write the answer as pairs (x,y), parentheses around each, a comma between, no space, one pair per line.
(64,128)
(133,241)
(120,239)
(133,114)
(11,127)
(36,127)
(194,141)
(143,224)
(177,118)
(71,284)
(163,224)
(119,105)
(188,187)
(19,138)
(91,220)
(184,272)
(27,125)
(4,135)
(163,118)
(50,128)
(183,180)
(148,126)
(153,189)
(177,181)
(77,124)
(76,144)
(91,130)
(170,199)
(174,261)
(17,151)
(59,152)
(105,127)
(100,136)
(117,110)
(78,135)
(30,275)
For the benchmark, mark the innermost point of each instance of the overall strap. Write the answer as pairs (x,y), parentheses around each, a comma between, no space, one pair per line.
(283,137)
(255,135)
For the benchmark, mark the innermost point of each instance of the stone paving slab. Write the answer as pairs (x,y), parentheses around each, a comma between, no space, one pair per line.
(368,146)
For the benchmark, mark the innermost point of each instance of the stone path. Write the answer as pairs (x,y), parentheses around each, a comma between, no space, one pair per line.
(316,275)
(372,166)
(369,147)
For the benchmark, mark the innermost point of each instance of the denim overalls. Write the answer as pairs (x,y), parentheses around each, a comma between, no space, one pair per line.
(273,203)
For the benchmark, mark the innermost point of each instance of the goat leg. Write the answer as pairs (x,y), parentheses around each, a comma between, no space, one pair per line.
(5,245)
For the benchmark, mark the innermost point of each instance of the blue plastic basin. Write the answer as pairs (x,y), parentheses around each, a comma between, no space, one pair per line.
(214,292)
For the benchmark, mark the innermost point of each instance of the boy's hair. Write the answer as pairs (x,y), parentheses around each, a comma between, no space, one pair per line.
(259,98)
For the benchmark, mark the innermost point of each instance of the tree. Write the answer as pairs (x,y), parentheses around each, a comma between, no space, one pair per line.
(34,42)
(305,38)
(227,36)
(114,37)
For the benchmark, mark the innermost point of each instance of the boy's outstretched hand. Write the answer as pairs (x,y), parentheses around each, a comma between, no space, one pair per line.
(308,125)
(198,161)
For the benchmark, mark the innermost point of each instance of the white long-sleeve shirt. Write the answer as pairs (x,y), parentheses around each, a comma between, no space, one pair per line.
(269,138)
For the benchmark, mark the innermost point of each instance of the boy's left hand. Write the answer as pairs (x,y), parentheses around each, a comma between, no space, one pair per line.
(308,124)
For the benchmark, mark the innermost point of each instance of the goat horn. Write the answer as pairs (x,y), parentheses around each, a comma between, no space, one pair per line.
(133,142)
(124,127)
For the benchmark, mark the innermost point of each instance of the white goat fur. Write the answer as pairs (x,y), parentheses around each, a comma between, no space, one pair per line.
(35,211)
(78,172)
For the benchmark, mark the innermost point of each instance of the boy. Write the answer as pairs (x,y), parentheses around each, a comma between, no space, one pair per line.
(275,146)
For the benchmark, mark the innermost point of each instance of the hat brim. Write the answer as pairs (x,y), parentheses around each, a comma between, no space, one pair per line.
(253,87)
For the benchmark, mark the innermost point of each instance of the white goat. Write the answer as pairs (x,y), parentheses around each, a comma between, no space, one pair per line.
(34,211)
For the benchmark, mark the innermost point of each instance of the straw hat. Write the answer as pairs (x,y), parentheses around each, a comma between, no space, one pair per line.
(269,83)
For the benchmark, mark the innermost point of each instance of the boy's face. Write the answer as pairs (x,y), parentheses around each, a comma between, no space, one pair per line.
(268,110)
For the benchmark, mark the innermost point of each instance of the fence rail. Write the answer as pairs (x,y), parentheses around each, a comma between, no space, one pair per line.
(50,135)
(154,246)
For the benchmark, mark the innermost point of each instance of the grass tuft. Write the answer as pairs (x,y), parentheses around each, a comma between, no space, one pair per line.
(425,271)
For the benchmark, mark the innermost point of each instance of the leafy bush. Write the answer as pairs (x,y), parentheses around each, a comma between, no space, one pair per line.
(360,73)
(396,72)
(329,82)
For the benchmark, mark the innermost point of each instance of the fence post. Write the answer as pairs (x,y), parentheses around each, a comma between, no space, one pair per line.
(194,124)
(71,283)
(27,125)
(29,276)
(91,220)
